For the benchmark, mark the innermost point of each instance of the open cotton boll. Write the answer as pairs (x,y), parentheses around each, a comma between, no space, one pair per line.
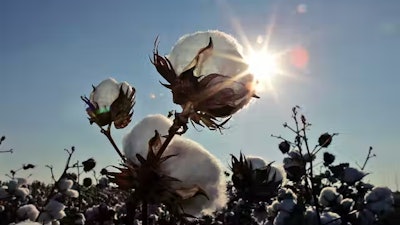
(276,173)
(28,212)
(329,197)
(380,200)
(108,91)
(65,184)
(3,192)
(136,141)
(12,185)
(226,57)
(193,165)
(22,192)
(22,181)
(45,217)
(54,206)
(71,193)
(256,162)
(105,93)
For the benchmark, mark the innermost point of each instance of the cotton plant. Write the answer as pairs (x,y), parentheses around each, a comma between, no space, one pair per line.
(211,82)
(17,187)
(193,167)
(337,195)
(254,179)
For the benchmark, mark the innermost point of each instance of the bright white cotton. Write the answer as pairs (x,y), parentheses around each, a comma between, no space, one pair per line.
(107,92)
(225,58)
(194,165)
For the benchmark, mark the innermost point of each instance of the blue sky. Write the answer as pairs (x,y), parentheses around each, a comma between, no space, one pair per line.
(51,52)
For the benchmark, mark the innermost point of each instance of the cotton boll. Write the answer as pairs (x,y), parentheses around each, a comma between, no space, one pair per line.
(365,217)
(55,222)
(276,174)
(54,206)
(331,218)
(65,184)
(58,215)
(380,200)
(80,219)
(45,217)
(329,197)
(22,181)
(286,193)
(12,185)
(3,192)
(272,209)
(136,141)
(193,164)
(310,216)
(256,162)
(287,205)
(71,193)
(22,192)
(347,204)
(105,93)
(27,212)
(226,51)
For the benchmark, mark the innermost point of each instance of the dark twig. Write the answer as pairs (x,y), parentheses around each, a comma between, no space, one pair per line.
(52,173)
(70,152)
(367,158)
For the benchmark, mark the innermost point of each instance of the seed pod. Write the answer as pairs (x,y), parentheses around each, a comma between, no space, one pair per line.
(325,140)
(328,158)
(87,182)
(284,146)
(88,164)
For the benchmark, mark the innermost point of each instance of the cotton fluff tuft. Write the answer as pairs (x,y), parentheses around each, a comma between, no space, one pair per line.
(329,197)
(65,184)
(256,162)
(276,173)
(380,200)
(226,51)
(108,91)
(28,212)
(194,165)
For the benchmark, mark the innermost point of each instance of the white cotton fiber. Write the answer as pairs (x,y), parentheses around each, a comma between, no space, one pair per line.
(193,164)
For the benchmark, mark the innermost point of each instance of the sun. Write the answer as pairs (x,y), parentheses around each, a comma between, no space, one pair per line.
(263,65)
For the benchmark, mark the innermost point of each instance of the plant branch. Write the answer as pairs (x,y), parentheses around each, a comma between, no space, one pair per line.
(62,175)
(107,133)
(368,157)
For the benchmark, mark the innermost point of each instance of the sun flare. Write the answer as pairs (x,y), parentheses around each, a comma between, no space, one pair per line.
(263,65)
